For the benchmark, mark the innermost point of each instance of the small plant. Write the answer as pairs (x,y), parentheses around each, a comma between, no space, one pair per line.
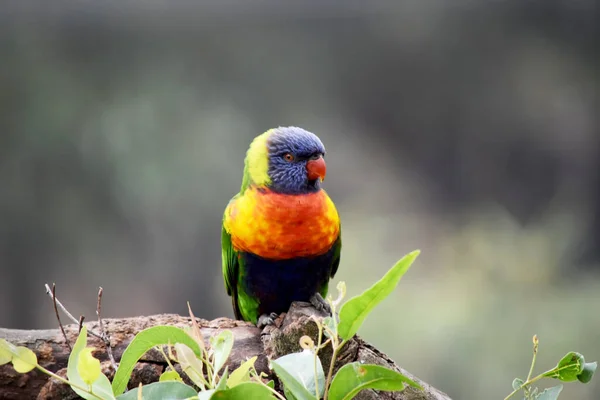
(572,367)
(301,374)
(83,370)
(200,363)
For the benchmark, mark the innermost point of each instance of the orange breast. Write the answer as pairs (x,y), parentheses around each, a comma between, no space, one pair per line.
(279,226)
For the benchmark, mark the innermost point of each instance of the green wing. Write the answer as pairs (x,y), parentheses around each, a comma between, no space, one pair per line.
(230,268)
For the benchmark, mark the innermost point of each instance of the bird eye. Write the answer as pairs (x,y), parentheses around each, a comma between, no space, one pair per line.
(315,156)
(289,157)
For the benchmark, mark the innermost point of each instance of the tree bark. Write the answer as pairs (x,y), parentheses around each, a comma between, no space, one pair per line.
(271,342)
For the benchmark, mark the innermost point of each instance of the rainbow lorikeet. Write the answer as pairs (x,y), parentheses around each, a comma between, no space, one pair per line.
(281,236)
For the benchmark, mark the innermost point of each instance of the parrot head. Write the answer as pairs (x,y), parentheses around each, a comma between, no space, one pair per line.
(286,160)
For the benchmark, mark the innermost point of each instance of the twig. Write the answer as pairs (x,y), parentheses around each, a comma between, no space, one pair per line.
(102,335)
(50,293)
(81,318)
(62,329)
(67,313)
(105,337)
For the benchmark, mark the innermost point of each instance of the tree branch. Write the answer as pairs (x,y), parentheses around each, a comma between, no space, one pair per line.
(274,341)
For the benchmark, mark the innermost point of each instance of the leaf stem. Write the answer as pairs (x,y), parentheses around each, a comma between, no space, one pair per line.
(336,349)
(275,392)
(535,350)
(63,380)
(160,349)
(257,378)
(319,338)
(213,379)
(206,359)
(529,382)
(537,378)
(335,344)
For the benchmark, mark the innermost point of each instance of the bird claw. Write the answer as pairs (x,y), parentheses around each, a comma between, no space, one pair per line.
(320,303)
(266,319)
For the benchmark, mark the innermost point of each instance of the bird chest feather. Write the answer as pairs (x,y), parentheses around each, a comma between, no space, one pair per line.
(282,226)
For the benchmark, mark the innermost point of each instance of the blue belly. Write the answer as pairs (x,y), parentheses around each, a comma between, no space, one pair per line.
(277,283)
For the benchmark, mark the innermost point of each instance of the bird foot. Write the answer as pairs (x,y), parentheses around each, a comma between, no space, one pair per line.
(320,303)
(266,319)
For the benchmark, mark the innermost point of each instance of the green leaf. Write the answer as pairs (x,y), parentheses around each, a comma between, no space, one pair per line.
(354,377)
(144,341)
(244,391)
(170,375)
(588,372)
(568,368)
(5,355)
(72,373)
(169,390)
(355,310)
(190,364)
(206,394)
(301,366)
(517,383)
(88,366)
(24,360)
(297,388)
(101,386)
(550,393)
(242,373)
(222,385)
(221,346)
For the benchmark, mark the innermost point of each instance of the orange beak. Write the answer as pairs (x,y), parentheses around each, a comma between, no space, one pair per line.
(316,169)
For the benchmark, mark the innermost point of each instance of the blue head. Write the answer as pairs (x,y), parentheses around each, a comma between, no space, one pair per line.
(296,163)
(286,160)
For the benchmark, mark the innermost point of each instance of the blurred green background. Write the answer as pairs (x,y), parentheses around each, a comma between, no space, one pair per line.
(467,129)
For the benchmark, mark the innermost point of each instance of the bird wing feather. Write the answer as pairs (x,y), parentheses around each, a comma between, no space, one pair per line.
(230,265)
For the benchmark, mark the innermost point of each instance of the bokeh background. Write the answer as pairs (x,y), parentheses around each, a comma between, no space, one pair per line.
(466,129)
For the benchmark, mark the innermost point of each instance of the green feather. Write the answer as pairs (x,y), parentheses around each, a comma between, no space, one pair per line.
(230,266)
(256,163)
